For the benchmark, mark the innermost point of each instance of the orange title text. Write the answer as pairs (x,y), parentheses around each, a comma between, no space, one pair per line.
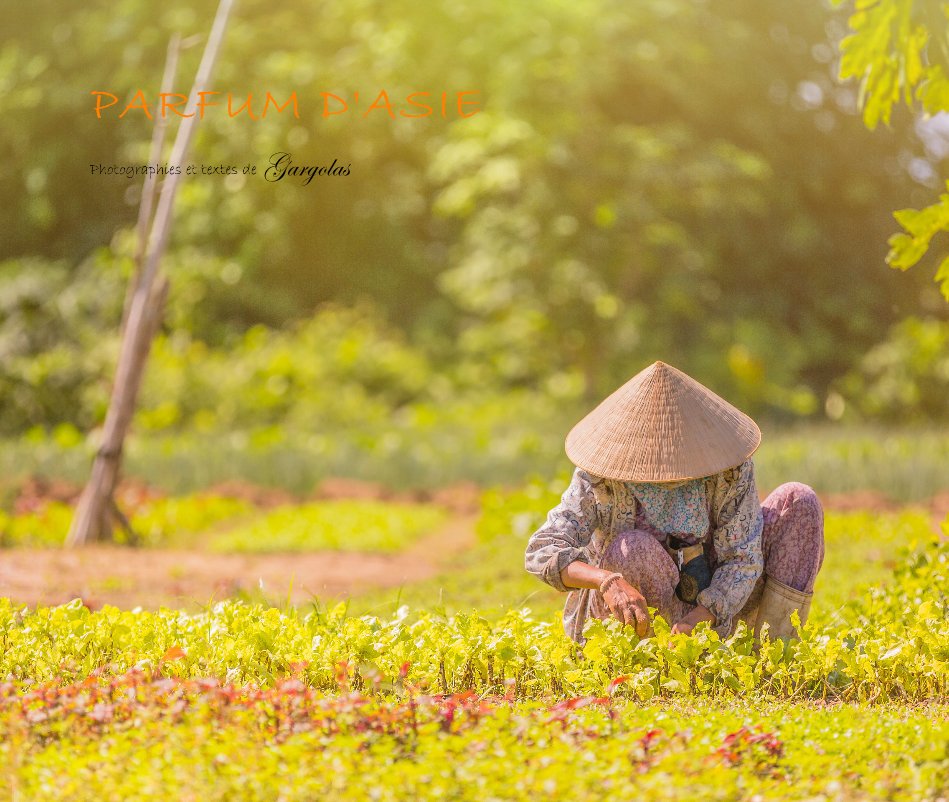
(258,107)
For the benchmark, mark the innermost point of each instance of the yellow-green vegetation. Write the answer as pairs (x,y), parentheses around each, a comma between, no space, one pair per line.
(862,549)
(494,439)
(177,521)
(178,741)
(261,703)
(889,641)
(228,524)
(881,652)
(901,464)
(370,526)
(45,527)
(450,249)
(185,520)
(471,690)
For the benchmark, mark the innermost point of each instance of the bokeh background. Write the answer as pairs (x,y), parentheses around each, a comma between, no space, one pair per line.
(353,415)
(670,179)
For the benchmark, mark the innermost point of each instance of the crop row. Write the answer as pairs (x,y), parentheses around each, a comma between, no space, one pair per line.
(134,737)
(893,644)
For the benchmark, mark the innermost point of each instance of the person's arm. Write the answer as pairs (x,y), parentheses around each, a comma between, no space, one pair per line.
(565,534)
(738,524)
(556,553)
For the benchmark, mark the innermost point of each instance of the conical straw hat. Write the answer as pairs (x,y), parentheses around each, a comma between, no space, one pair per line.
(662,426)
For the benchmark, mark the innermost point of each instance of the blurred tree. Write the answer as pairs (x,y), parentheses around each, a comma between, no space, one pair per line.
(906,377)
(706,192)
(57,340)
(669,179)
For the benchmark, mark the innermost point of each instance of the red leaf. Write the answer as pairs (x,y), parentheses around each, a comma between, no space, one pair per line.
(174,653)
(575,703)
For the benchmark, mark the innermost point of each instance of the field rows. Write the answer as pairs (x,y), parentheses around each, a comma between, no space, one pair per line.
(454,690)
(200,740)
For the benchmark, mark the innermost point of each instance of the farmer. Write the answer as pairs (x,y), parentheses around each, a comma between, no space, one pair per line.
(662,511)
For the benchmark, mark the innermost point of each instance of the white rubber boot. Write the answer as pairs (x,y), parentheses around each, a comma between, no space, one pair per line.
(778,601)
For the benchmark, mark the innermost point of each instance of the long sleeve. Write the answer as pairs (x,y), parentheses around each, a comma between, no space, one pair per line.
(565,534)
(738,523)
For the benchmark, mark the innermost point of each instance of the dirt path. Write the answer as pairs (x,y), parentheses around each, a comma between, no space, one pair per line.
(150,578)
(190,579)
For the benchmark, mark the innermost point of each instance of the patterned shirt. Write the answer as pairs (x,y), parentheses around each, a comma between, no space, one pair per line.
(724,506)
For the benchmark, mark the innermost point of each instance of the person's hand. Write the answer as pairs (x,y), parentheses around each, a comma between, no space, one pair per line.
(698,613)
(628,605)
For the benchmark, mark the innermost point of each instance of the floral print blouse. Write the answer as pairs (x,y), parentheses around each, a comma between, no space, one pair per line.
(724,506)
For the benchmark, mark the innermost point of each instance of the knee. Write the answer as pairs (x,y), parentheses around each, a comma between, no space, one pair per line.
(800,500)
(629,552)
(802,518)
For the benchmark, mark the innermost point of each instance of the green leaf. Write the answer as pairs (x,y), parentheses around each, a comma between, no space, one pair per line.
(942,277)
(921,225)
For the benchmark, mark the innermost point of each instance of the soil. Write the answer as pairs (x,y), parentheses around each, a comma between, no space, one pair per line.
(127,577)
(936,507)
(150,578)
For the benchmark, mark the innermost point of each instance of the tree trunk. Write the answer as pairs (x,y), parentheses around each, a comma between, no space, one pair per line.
(97,510)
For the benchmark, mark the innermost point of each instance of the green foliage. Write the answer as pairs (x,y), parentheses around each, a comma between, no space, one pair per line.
(367,526)
(862,548)
(494,441)
(234,525)
(921,225)
(899,49)
(893,643)
(203,740)
(901,463)
(46,527)
(185,520)
(517,513)
(599,213)
(339,367)
(57,340)
(906,377)
(157,522)
(253,701)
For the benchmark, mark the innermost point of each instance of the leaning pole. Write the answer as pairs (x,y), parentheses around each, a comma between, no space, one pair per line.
(97,511)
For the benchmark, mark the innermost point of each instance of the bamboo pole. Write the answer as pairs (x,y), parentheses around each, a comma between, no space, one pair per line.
(150,187)
(97,510)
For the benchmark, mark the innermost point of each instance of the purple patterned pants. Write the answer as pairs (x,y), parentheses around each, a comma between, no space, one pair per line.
(792,542)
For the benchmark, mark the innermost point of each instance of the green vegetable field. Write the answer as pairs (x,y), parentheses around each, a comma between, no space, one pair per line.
(413,693)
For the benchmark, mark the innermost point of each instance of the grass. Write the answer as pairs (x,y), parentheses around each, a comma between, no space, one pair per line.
(490,578)
(251,703)
(234,525)
(360,526)
(905,464)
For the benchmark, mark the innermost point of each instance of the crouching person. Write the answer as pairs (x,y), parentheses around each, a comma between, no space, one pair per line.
(662,511)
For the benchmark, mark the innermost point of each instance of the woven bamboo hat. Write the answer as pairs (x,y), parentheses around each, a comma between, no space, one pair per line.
(662,426)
